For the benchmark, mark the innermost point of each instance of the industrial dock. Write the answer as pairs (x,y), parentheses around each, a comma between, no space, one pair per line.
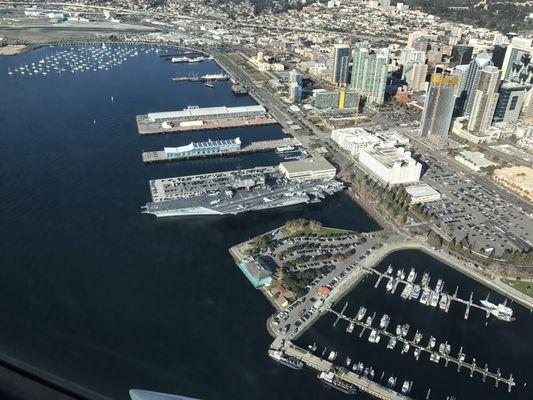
(218,148)
(196,118)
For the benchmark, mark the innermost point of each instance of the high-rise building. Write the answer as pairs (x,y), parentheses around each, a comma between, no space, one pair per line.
(461,71)
(499,39)
(498,55)
(333,99)
(438,108)
(369,73)
(457,32)
(341,60)
(517,65)
(461,54)
(527,114)
(295,92)
(416,75)
(416,40)
(485,96)
(410,54)
(472,78)
(295,76)
(510,102)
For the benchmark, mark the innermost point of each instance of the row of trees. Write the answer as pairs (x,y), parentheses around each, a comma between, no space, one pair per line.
(296,282)
(393,201)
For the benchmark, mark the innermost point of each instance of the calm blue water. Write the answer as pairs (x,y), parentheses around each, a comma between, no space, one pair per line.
(108,298)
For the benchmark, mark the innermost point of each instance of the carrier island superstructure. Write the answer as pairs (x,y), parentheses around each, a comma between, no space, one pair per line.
(238,191)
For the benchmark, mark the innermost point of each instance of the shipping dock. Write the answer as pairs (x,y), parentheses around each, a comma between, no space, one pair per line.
(218,148)
(234,192)
(196,118)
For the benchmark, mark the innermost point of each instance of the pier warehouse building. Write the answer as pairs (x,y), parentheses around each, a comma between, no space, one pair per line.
(196,113)
(303,170)
(201,148)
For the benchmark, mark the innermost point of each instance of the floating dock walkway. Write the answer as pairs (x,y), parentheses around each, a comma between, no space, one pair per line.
(363,384)
(149,157)
(451,297)
(472,367)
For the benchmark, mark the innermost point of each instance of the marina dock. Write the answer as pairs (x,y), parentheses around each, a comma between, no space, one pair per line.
(397,281)
(459,361)
(360,382)
(254,147)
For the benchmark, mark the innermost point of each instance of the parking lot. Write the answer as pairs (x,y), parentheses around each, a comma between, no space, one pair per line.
(288,321)
(469,208)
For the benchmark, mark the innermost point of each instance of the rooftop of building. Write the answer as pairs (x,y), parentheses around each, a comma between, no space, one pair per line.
(316,163)
(421,190)
(476,158)
(389,156)
(198,112)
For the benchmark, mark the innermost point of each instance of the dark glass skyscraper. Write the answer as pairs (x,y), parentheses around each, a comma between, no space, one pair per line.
(461,54)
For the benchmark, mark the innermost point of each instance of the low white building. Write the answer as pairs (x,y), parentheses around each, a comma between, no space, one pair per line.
(391,165)
(314,168)
(353,140)
(422,193)
(459,129)
(474,160)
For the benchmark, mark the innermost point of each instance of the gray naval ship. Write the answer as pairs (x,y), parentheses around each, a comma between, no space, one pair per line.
(234,192)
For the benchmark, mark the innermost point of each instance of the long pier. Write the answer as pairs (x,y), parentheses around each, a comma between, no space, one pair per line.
(472,367)
(362,383)
(204,78)
(451,297)
(149,157)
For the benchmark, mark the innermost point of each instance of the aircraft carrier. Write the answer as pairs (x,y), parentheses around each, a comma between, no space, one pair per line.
(234,192)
